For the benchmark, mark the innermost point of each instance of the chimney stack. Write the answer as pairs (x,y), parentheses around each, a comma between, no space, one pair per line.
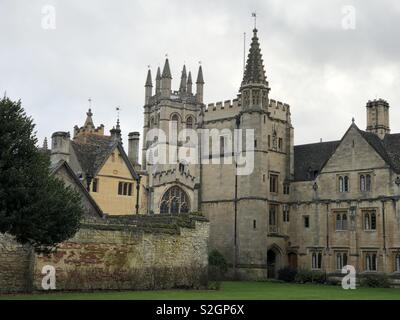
(133,147)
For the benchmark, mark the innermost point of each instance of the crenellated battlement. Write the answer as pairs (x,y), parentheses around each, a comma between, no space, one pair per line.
(278,110)
(278,105)
(223,105)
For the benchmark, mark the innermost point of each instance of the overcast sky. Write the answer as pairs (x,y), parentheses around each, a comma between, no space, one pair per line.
(315,61)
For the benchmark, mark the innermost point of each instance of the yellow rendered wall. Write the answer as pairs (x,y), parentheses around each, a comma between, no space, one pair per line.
(114,171)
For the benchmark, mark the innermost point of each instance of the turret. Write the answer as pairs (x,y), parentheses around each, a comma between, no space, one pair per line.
(182,87)
(378,117)
(166,81)
(115,132)
(158,81)
(199,86)
(189,84)
(254,89)
(133,147)
(60,142)
(148,88)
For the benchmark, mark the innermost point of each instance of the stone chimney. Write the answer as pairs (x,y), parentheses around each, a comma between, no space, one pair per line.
(60,142)
(133,147)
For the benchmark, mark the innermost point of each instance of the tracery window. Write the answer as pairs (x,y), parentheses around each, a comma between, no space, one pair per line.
(174,201)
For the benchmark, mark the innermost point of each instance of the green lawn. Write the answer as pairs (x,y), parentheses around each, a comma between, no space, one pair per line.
(230,290)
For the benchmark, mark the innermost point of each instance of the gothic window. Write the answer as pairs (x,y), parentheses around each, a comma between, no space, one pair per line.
(316,260)
(370,220)
(341,260)
(280,144)
(341,221)
(285,213)
(273,183)
(189,123)
(340,184)
(397,261)
(222,145)
(269,141)
(246,98)
(370,261)
(365,182)
(362,183)
(174,201)
(272,214)
(368,182)
(256,97)
(264,99)
(125,188)
(274,142)
(344,184)
(286,188)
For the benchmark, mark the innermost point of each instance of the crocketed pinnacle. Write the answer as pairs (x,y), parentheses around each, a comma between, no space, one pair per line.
(254,71)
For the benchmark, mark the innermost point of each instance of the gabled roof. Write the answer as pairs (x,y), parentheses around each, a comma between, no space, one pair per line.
(310,158)
(54,168)
(92,152)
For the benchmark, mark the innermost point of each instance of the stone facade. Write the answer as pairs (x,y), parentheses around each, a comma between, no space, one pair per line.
(317,206)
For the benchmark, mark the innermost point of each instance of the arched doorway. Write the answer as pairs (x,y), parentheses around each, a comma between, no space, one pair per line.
(292,259)
(273,262)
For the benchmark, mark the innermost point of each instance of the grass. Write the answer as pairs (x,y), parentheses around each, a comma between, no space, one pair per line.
(230,291)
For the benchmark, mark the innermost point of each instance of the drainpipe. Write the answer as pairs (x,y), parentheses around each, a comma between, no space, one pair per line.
(236,200)
(137,193)
(383,226)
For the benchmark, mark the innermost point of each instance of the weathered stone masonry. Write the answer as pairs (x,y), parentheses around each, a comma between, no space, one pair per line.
(117,253)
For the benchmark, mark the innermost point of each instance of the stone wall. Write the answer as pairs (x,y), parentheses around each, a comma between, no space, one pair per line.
(117,254)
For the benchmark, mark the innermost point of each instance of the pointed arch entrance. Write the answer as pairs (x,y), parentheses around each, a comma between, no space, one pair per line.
(274,259)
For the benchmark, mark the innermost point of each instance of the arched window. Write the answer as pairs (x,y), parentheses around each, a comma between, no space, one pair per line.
(341,185)
(344,221)
(174,201)
(346,184)
(338,221)
(366,222)
(176,122)
(368,183)
(370,262)
(189,123)
(362,183)
(373,221)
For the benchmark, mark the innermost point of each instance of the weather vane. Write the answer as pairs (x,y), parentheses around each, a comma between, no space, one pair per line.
(254,15)
(90,103)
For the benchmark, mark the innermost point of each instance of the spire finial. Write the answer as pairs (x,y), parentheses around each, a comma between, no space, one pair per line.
(352,120)
(118,110)
(166,70)
(254,15)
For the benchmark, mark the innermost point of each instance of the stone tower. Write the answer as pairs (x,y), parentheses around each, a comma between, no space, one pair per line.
(166,114)
(243,209)
(378,117)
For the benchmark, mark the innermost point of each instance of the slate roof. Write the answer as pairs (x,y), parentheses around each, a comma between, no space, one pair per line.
(55,167)
(309,158)
(92,151)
